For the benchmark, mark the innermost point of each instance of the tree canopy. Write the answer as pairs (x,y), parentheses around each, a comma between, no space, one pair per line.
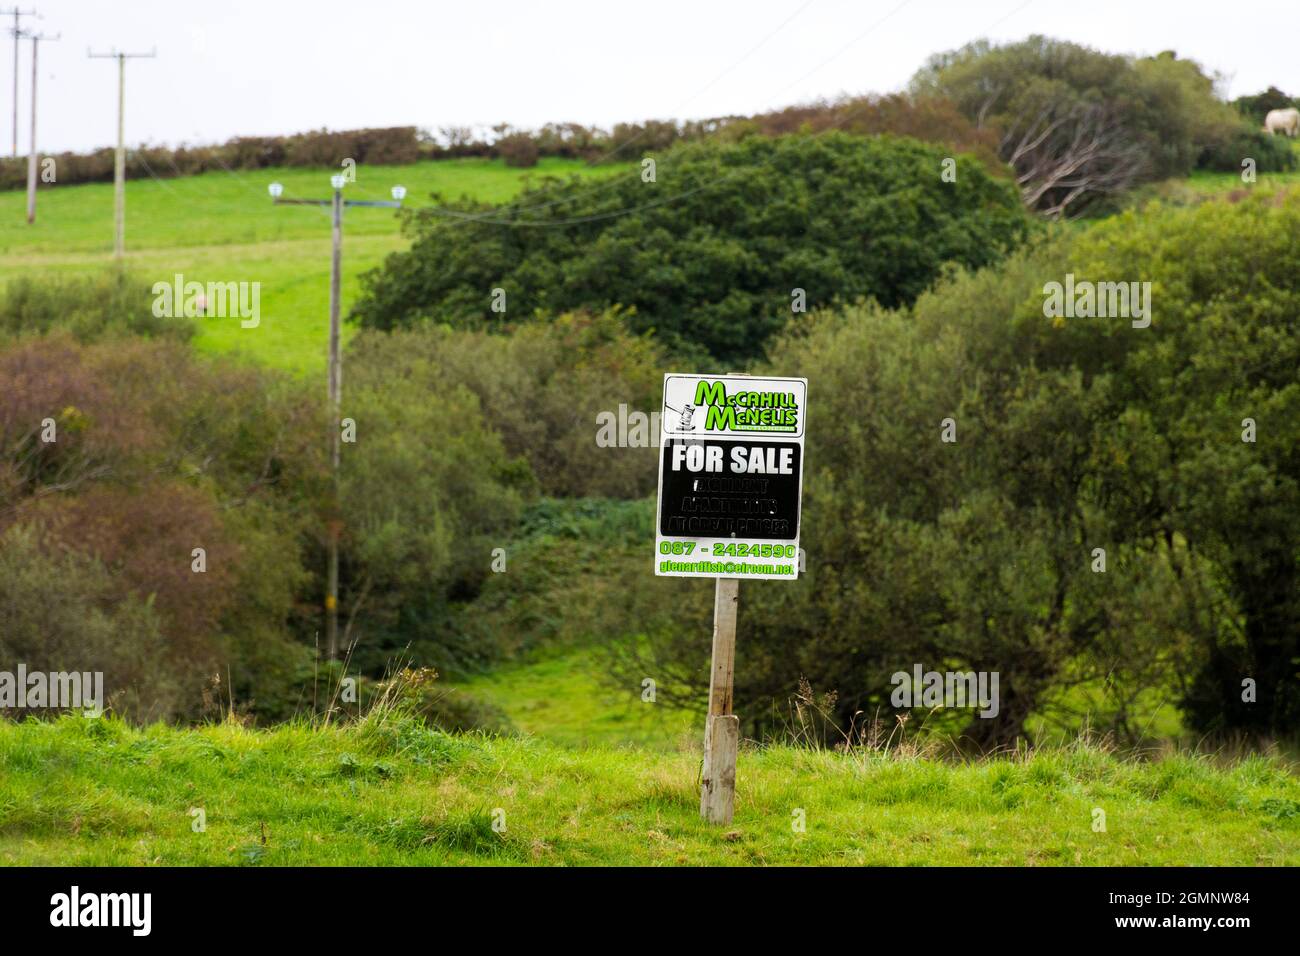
(709,255)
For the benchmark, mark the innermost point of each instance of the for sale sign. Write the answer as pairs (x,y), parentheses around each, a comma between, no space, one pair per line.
(730,476)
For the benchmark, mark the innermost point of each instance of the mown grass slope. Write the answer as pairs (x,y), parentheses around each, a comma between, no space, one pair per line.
(390,791)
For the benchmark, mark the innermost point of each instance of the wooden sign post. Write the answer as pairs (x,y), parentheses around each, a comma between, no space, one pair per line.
(722,727)
(730,485)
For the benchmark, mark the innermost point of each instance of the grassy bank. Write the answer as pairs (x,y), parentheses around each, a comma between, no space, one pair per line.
(559,696)
(392,792)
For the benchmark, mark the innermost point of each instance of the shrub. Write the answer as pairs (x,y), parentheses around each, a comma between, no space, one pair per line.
(62,611)
(92,307)
(1071,434)
(1272,154)
(1080,125)
(518,150)
(544,389)
(930,119)
(710,255)
(427,492)
(155,454)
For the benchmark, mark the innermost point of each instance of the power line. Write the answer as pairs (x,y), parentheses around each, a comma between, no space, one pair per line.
(119,161)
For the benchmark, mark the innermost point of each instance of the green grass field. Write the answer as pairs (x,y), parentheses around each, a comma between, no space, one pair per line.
(223,227)
(559,697)
(390,791)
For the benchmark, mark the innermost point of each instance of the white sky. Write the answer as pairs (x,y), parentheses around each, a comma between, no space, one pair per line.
(281,66)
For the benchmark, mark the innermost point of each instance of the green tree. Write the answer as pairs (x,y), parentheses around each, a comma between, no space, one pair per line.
(427,492)
(1079,125)
(710,254)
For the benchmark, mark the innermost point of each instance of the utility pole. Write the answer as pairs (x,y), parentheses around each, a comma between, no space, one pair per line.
(119,161)
(17,31)
(31,157)
(335,522)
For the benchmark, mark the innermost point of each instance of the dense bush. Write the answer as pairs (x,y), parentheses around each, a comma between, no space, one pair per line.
(62,611)
(427,491)
(543,389)
(1272,154)
(1071,434)
(90,307)
(456,430)
(1227,300)
(518,150)
(123,456)
(710,254)
(1080,125)
(929,119)
(1257,106)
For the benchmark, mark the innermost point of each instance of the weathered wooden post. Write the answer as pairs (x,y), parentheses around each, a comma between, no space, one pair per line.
(722,727)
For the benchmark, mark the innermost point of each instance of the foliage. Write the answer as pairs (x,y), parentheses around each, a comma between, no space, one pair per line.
(427,491)
(1257,106)
(455,432)
(131,454)
(708,255)
(1227,350)
(930,119)
(518,150)
(543,390)
(61,611)
(318,148)
(89,307)
(1071,434)
(1080,125)
(1272,154)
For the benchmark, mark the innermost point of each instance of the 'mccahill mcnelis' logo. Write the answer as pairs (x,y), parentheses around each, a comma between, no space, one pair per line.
(746,411)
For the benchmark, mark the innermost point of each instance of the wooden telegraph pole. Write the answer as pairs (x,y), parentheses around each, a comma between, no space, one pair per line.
(335,401)
(119,160)
(722,727)
(36,39)
(335,385)
(17,32)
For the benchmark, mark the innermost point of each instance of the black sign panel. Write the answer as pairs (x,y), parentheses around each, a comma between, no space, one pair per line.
(747,490)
